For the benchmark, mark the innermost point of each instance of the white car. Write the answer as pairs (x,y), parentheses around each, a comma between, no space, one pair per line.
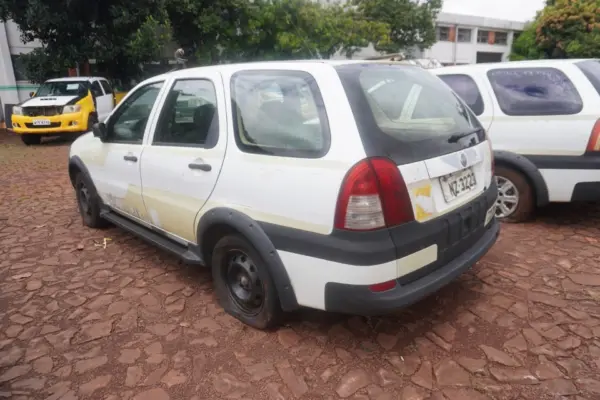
(384,198)
(542,118)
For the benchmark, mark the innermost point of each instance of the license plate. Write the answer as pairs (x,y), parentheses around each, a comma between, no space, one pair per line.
(458,184)
(41,122)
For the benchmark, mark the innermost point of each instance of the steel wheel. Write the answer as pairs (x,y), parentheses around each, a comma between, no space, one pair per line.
(508,197)
(84,200)
(244,283)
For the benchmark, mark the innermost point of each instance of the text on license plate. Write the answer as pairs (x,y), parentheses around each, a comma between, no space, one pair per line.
(41,122)
(458,184)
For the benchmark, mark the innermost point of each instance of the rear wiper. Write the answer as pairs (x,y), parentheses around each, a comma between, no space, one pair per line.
(457,136)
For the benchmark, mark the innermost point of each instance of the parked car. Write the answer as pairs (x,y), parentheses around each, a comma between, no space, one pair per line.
(356,187)
(63,106)
(542,118)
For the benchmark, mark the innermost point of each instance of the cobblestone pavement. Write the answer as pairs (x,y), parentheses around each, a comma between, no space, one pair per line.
(82,317)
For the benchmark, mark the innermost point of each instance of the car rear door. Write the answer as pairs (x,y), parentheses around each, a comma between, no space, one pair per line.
(182,162)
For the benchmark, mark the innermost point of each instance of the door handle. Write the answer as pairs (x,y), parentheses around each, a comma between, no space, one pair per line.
(200,166)
(130,157)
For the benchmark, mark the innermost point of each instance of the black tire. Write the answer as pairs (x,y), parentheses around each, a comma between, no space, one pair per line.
(88,203)
(233,260)
(90,122)
(526,199)
(31,139)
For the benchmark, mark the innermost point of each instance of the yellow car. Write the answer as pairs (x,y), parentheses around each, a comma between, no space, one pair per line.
(63,106)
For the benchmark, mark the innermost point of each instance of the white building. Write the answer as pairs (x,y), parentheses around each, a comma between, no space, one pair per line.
(464,39)
(14,86)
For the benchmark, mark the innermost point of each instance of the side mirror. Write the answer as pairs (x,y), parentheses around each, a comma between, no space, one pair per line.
(99,130)
(31,94)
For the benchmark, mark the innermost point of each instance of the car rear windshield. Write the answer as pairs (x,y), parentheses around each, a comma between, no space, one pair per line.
(591,69)
(406,112)
(65,88)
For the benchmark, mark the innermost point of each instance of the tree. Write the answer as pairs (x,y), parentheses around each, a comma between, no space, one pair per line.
(239,30)
(411,22)
(119,34)
(525,47)
(563,29)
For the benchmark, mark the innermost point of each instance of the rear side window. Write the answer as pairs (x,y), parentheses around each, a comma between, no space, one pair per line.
(534,91)
(467,89)
(279,113)
(106,87)
(591,69)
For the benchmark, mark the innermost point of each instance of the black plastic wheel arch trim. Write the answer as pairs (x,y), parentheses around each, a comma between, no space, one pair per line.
(524,165)
(252,231)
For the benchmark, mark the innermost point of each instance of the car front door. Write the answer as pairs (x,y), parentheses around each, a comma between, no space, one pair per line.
(119,181)
(181,165)
(103,101)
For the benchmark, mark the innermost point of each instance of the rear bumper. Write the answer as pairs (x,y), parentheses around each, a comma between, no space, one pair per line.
(586,191)
(360,300)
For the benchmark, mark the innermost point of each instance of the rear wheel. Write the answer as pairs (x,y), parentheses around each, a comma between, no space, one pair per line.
(31,139)
(515,202)
(243,284)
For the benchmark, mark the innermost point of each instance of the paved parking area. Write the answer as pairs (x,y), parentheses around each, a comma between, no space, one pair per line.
(100,315)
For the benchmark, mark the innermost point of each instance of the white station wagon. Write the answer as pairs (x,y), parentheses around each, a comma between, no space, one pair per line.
(542,117)
(354,187)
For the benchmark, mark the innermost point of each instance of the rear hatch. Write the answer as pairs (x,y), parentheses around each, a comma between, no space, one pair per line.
(410,116)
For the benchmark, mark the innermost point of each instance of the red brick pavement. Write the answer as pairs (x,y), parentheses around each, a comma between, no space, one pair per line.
(82,321)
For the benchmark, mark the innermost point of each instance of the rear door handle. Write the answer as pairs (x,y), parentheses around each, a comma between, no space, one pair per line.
(130,157)
(200,166)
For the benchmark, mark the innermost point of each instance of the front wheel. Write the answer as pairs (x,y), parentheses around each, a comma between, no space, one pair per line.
(243,283)
(31,139)
(515,202)
(88,203)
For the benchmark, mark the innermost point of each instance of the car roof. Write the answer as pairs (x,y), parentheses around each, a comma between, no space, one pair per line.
(292,64)
(75,79)
(509,64)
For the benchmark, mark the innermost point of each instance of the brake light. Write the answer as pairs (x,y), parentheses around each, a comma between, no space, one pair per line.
(594,142)
(382,287)
(373,196)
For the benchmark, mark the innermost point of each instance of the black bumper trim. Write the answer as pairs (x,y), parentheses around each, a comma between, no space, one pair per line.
(359,300)
(586,191)
(584,161)
(385,245)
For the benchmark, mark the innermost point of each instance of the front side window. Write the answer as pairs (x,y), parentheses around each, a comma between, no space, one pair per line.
(96,89)
(279,113)
(501,38)
(467,89)
(128,123)
(64,88)
(534,91)
(106,86)
(189,116)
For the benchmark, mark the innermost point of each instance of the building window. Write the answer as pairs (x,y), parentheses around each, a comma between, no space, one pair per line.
(19,67)
(534,91)
(482,36)
(501,38)
(443,33)
(464,35)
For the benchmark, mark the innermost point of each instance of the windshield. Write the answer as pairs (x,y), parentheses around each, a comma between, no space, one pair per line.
(412,104)
(70,88)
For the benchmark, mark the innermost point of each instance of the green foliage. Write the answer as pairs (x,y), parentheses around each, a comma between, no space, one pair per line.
(118,33)
(40,66)
(239,30)
(563,29)
(412,23)
(524,47)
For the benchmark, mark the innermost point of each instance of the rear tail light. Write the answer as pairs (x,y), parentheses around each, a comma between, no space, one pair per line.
(594,142)
(491,153)
(373,196)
